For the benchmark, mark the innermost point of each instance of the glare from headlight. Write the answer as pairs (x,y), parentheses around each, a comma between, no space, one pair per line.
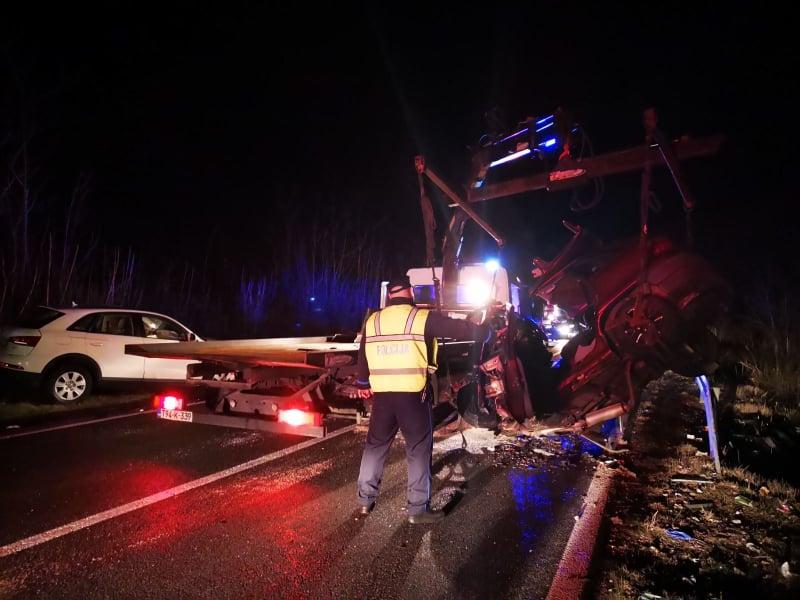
(566,331)
(477,292)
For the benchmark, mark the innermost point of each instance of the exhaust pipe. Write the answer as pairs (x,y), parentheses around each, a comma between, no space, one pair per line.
(599,416)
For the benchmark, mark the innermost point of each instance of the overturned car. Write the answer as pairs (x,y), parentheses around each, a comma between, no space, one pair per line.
(636,308)
(628,328)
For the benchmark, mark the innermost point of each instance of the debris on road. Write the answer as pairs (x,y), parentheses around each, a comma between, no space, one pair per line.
(547,452)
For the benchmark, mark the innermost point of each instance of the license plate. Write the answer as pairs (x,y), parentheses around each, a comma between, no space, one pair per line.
(175,415)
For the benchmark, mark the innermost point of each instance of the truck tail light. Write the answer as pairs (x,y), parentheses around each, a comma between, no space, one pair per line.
(168,402)
(25,340)
(297,418)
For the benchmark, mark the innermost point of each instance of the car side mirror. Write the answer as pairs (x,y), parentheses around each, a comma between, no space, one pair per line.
(191,337)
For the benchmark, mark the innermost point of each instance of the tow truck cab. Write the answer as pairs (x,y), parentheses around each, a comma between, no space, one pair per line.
(479,285)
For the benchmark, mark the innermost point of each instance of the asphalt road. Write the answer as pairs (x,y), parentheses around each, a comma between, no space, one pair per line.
(286,528)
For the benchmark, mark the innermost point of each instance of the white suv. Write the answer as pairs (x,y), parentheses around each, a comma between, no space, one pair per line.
(72,349)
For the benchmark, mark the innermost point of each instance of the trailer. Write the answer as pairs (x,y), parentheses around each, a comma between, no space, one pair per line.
(282,385)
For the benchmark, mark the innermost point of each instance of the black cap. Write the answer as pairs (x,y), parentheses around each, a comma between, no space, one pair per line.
(398,284)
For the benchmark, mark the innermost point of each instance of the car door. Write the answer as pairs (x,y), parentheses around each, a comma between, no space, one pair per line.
(105,343)
(160,329)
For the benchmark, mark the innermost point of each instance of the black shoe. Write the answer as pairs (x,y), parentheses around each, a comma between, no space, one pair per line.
(365,510)
(429,516)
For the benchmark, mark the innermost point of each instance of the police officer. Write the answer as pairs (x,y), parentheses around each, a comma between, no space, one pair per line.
(397,353)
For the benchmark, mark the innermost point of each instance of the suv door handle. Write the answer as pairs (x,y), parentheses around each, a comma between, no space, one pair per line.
(98,344)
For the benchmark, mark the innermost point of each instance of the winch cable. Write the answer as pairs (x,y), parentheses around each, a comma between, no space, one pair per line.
(644,211)
(649,201)
(576,204)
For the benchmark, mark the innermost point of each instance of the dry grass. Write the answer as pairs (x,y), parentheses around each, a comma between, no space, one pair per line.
(770,350)
(622,584)
(686,450)
(753,408)
(11,412)
(753,482)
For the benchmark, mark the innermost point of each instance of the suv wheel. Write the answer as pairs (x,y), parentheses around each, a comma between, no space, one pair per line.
(68,384)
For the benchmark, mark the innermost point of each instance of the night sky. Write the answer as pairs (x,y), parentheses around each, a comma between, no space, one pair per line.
(204,129)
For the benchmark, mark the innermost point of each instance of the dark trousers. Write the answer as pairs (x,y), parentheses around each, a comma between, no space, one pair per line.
(404,411)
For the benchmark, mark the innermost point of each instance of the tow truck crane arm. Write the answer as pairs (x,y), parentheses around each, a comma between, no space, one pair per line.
(612,163)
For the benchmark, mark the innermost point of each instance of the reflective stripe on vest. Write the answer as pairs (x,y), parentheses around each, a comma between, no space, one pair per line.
(395,348)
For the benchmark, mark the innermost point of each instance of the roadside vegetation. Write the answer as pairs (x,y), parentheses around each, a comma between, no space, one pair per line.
(764,341)
(320,268)
(16,410)
(676,529)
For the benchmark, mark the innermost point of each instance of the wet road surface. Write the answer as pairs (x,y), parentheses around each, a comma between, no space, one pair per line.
(287,528)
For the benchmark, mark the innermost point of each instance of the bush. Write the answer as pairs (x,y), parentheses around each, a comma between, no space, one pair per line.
(770,347)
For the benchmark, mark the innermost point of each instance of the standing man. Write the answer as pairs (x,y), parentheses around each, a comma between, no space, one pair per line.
(397,353)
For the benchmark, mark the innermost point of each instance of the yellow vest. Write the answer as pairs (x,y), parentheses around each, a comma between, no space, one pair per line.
(396,351)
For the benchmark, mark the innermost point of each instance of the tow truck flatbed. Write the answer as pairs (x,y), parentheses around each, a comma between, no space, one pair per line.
(312,352)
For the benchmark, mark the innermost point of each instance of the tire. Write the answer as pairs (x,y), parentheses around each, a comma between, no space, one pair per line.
(68,383)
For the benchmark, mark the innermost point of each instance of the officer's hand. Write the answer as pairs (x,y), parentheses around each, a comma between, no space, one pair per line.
(364,394)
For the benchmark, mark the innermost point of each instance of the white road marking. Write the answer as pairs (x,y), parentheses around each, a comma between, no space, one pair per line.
(58,532)
(82,423)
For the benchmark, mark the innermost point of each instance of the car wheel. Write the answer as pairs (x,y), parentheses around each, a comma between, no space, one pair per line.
(68,384)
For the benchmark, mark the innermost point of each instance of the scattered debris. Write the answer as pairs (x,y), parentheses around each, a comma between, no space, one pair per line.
(763,491)
(547,452)
(689,479)
(543,452)
(741,537)
(677,534)
(697,505)
(785,571)
(649,596)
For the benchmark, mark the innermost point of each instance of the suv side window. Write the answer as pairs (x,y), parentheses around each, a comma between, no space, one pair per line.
(161,328)
(85,324)
(114,324)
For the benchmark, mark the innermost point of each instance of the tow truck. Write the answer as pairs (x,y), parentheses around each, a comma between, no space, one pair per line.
(296,385)
(635,307)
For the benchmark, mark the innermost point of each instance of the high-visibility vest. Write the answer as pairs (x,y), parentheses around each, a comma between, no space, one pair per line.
(396,351)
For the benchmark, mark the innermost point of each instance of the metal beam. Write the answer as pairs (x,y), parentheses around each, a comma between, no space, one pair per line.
(600,166)
(438,182)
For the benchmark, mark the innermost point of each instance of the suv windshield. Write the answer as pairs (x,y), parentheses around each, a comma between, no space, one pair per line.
(38,318)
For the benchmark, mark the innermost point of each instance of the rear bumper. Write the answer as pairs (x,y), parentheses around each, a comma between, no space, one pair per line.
(242,422)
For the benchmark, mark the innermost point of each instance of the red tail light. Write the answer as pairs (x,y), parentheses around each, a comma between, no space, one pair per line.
(25,340)
(296,417)
(168,402)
